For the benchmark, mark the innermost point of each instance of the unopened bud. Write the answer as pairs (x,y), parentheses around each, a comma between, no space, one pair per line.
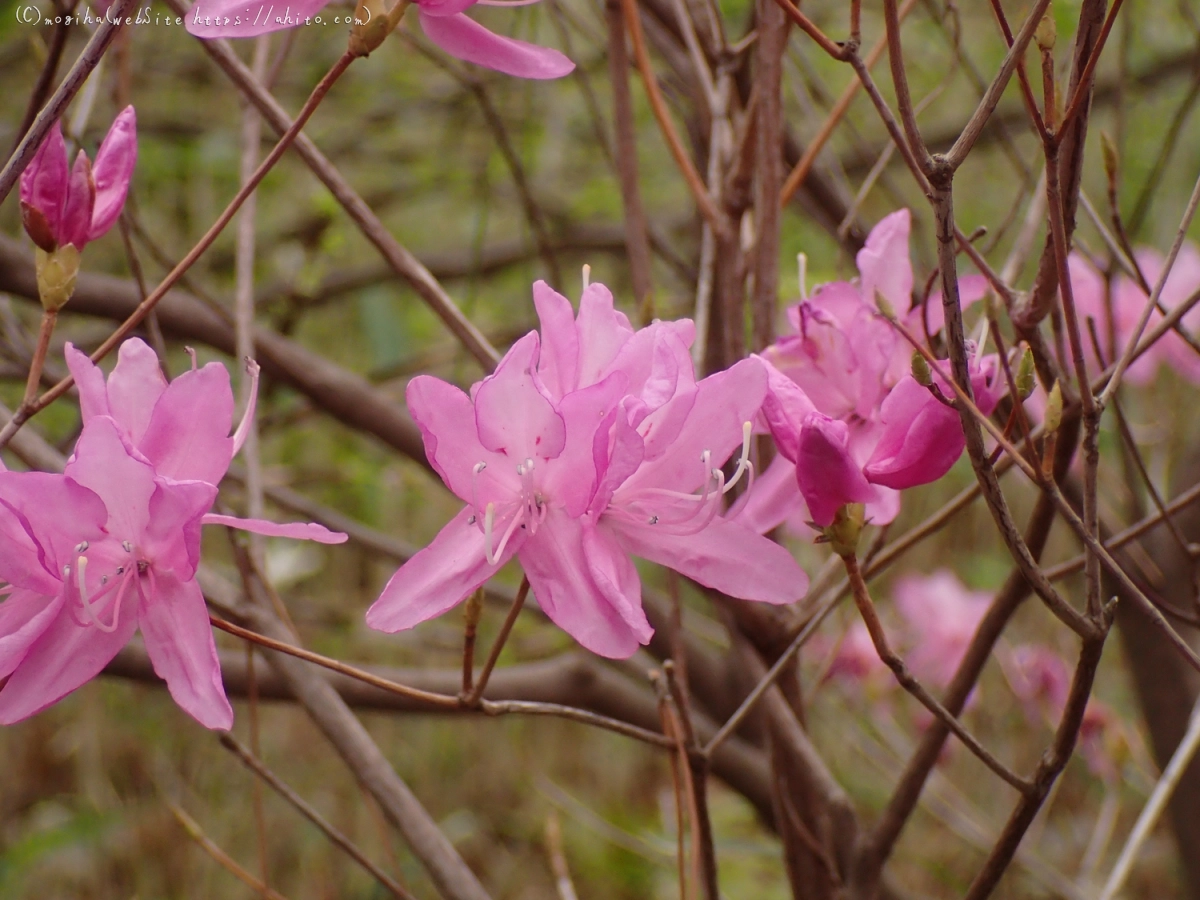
(56,272)
(920,370)
(1046,33)
(884,307)
(1025,380)
(1108,150)
(992,305)
(1054,409)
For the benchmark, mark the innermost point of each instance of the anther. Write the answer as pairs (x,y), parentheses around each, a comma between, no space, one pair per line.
(653,520)
(81,547)
(127,546)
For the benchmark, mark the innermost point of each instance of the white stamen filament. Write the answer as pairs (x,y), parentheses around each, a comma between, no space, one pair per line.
(744,459)
(489,516)
(243,429)
(587,276)
(802,264)
(90,611)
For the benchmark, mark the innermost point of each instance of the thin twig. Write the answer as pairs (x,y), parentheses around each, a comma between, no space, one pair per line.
(251,761)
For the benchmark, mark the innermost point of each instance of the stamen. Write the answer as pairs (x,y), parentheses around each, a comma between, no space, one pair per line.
(88,609)
(489,516)
(81,547)
(243,429)
(508,533)
(127,546)
(192,353)
(744,459)
(587,275)
(479,467)
(802,264)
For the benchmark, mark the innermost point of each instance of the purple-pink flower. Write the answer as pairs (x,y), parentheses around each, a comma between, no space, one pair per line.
(590,443)
(111,546)
(942,615)
(444,22)
(63,204)
(851,425)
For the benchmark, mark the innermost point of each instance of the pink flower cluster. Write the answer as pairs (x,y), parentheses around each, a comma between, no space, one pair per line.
(591,442)
(851,425)
(111,546)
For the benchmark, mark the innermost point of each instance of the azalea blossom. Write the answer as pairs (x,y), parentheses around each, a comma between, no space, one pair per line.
(1115,312)
(111,546)
(1041,680)
(589,444)
(851,424)
(444,22)
(942,615)
(76,204)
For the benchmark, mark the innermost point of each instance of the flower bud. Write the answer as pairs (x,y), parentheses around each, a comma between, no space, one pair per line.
(56,272)
(1108,150)
(1054,409)
(1046,33)
(1025,375)
(920,370)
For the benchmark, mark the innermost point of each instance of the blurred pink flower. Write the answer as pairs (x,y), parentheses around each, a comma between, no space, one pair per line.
(847,364)
(61,205)
(585,447)
(1041,680)
(443,21)
(942,615)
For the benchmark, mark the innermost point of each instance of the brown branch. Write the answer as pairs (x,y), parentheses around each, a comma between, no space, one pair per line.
(637,241)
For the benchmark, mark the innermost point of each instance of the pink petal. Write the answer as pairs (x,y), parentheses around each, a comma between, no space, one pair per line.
(188,435)
(467,40)
(603,331)
(571,477)
(726,556)
(615,576)
(134,387)
(512,415)
(827,474)
(65,656)
(784,408)
(175,626)
(884,262)
(300,531)
(102,464)
(446,418)
(617,452)
(78,204)
(93,394)
(439,576)
(44,181)
(720,405)
(558,363)
(172,535)
(921,439)
(113,170)
(559,573)
(244,18)
(24,615)
(444,7)
(43,517)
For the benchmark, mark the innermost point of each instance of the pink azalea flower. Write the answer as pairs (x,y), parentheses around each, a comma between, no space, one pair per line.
(851,366)
(585,447)
(61,205)
(943,616)
(443,21)
(112,545)
(1041,680)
